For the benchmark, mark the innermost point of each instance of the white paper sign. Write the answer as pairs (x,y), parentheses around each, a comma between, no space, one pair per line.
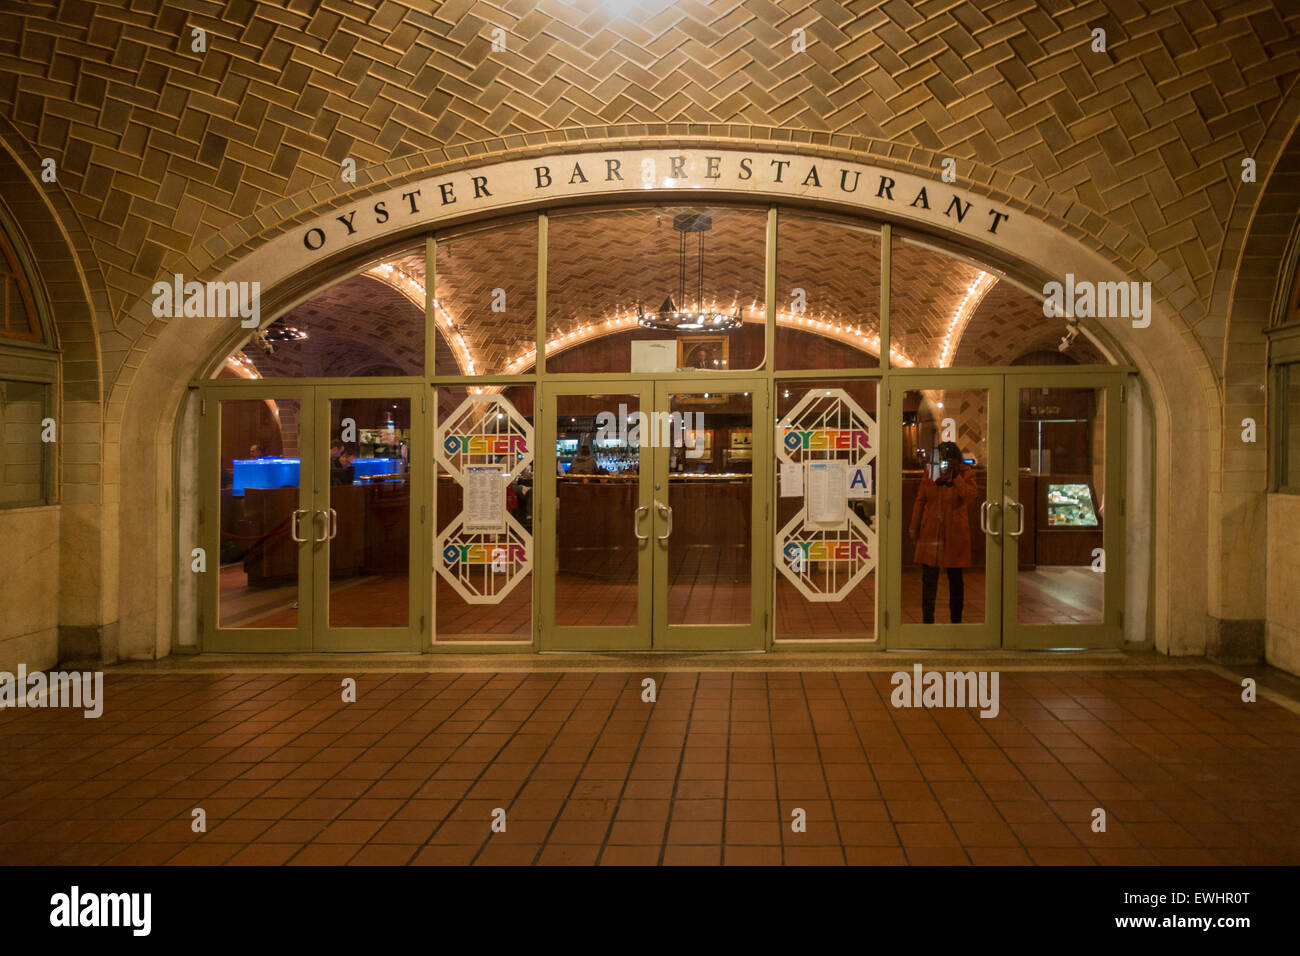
(828,492)
(860,484)
(485,499)
(654,356)
(791,479)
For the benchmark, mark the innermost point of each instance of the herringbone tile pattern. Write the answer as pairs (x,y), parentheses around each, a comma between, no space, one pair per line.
(169,156)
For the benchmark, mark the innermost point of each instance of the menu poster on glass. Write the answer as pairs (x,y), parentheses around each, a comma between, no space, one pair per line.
(485,499)
(827,500)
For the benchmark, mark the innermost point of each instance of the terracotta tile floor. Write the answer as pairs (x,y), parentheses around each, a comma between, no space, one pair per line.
(710,774)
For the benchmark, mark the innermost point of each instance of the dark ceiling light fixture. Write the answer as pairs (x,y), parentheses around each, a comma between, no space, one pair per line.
(673,317)
(278,331)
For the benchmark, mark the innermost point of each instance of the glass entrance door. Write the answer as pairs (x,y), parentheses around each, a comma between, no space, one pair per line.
(1065,486)
(593,515)
(655,507)
(946,512)
(1006,511)
(365,596)
(315,530)
(258,519)
(709,502)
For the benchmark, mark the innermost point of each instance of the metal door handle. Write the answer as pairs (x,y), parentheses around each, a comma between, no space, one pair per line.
(984,516)
(636,523)
(313,524)
(998,532)
(667,512)
(334,523)
(1020,519)
(293,525)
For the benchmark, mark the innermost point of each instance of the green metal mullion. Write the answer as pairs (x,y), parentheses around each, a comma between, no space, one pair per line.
(543,241)
(468,380)
(541,569)
(886,265)
(769,293)
(798,375)
(430,317)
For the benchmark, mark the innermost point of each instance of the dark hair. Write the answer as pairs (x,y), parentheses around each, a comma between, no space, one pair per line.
(949,450)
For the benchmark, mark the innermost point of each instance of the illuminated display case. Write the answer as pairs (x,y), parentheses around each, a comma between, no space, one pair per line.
(1070,505)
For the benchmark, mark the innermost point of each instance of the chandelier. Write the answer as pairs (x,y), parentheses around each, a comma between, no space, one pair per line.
(279,331)
(671,316)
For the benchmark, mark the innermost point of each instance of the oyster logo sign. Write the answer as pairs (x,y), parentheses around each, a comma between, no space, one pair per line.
(827,439)
(210,300)
(653,430)
(484,554)
(801,552)
(485,444)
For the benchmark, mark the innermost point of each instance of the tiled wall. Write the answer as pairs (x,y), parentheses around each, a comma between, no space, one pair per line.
(22,453)
(29,623)
(1282,638)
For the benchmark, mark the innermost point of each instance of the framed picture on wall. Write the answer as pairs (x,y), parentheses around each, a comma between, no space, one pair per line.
(707,352)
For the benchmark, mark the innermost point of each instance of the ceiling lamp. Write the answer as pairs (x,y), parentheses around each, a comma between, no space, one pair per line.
(674,318)
(278,331)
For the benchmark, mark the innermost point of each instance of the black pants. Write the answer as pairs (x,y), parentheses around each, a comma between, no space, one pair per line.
(930,589)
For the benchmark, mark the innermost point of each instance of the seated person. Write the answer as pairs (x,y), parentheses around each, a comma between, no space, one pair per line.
(341,471)
(584,464)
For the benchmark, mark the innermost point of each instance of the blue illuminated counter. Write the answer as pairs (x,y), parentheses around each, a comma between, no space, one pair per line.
(264,473)
(368,467)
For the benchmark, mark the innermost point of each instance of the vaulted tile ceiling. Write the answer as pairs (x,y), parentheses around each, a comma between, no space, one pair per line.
(604,263)
(170,159)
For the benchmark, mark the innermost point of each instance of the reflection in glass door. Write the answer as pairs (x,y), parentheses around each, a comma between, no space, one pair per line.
(950,514)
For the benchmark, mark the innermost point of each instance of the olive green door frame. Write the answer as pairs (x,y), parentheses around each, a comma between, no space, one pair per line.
(404,638)
(1109,631)
(548,524)
(982,635)
(212,636)
(751,635)
(651,524)
(1001,627)
(311,522)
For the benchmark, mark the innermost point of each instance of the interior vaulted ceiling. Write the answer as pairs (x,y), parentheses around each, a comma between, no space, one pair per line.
(168,158)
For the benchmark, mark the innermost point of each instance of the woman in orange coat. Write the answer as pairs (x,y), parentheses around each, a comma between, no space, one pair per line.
(941,528)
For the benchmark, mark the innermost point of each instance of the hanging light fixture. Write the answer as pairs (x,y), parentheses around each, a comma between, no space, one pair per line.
(673,316)
(281,331)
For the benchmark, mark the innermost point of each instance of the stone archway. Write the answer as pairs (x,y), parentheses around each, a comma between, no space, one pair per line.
(1181,382)
(72,288)
(1243,519)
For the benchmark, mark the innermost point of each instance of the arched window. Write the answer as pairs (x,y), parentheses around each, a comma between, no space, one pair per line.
(18,318)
